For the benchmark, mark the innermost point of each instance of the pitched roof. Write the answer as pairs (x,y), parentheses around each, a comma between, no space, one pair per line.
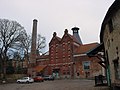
(40,68)
(94,51)
(73,38)
(86,47)
(76,35)
(56,37)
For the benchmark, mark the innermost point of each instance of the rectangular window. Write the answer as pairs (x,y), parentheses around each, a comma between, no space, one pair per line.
(56,60)
(110,25)
(68,73)
(86,65)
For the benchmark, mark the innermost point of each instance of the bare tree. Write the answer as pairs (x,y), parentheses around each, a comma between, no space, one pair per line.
(27,46)
(12,35)
(41,43)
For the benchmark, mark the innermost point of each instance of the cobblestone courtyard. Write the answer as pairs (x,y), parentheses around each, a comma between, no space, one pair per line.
(55,85)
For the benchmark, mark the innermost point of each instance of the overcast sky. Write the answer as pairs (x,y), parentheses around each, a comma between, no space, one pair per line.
(58,15)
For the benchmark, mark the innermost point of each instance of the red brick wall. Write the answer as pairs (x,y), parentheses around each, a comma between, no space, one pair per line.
(61,55)
(95,68)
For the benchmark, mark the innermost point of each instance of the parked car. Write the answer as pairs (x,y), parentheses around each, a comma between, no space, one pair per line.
(25,80)
(38,79)
(48,77)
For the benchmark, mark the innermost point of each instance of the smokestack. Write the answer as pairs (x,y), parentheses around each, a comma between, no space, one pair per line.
(32,62)
(76,34)
(33,44)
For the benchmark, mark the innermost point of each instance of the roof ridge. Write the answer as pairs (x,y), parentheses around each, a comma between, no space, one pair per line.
(91,43)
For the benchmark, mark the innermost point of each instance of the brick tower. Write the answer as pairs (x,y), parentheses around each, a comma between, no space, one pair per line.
(32,62)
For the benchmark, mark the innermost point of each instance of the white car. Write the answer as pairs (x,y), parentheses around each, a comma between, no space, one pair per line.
(25,80)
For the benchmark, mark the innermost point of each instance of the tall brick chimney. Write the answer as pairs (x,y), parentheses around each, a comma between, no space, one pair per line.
(33,44)
(32,61)
(76,34)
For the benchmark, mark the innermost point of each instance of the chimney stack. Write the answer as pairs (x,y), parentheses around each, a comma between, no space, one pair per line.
(33,43)
(32,61)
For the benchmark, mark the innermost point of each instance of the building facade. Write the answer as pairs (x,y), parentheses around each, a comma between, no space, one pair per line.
(110,37)
(67,57)
(85,66)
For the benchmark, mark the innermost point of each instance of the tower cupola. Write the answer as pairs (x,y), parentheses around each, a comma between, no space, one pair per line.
(76,34)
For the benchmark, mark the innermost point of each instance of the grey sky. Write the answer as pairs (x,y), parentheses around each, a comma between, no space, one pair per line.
(58,15)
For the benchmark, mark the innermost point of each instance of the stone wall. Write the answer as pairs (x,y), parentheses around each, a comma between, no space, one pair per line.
(112,44)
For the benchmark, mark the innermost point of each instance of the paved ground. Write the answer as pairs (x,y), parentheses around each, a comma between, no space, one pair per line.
(54,85)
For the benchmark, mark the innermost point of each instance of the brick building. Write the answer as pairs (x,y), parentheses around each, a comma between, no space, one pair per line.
(67,58)
(86,67)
